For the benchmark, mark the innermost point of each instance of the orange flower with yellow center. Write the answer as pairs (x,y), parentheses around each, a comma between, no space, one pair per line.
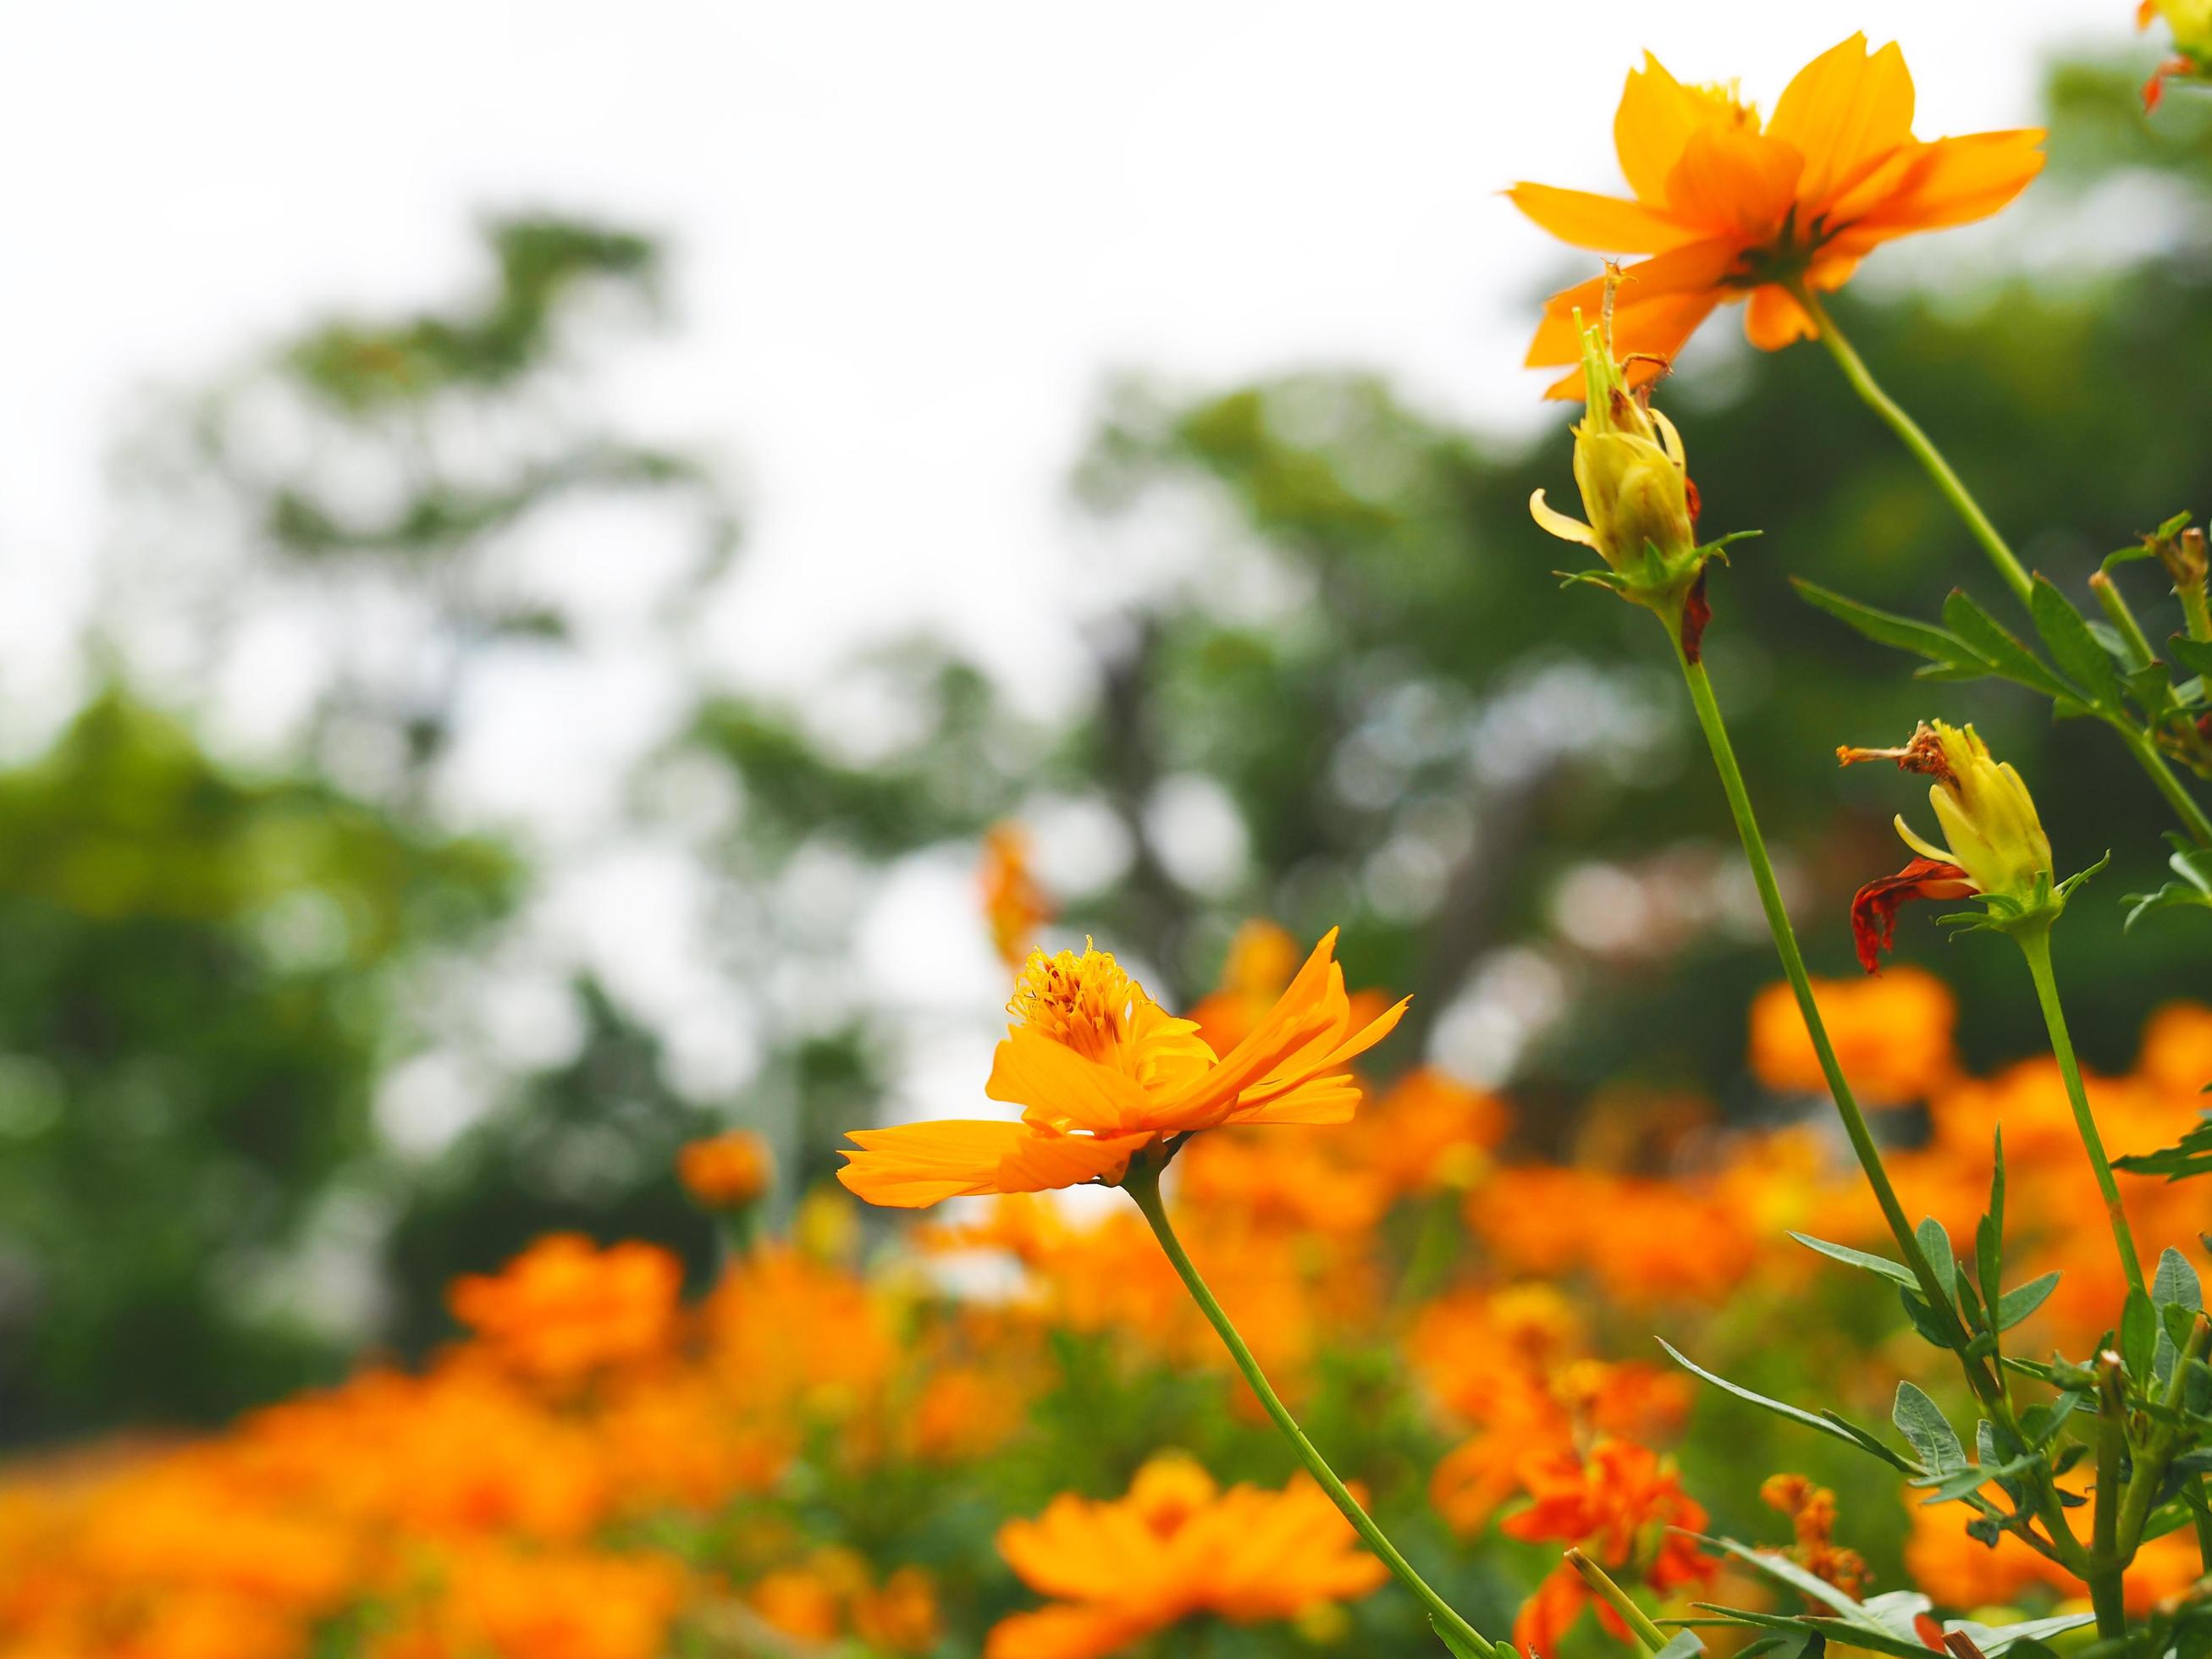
(1175,1547)
(1102,1072)
(727,1171)
(1730,209)
(565,1308)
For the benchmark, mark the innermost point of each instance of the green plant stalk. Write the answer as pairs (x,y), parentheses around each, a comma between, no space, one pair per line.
(2035,944)
(2183,804)
(2106,1593)
(1801,984)
(2194,607)
(2000,554)
(2122,616)
(2157,1451)
(1143,1185)
(1987,1387)
(1908,431)
(1602,1585)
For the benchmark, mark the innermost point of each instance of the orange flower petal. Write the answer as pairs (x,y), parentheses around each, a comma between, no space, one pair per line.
(1065,1632)
(1645,285)
(1951,181)
(917,1164)
(1774,319)
(1605,224)
(1844,111)
(1732,182)
(1657,115)
(1058,1088)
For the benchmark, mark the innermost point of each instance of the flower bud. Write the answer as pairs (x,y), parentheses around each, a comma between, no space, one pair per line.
(1997,846)
(1629,466)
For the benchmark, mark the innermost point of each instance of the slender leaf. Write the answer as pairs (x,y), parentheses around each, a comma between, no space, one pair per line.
(1834,1427)
(2066,635)
(2189,1156)
(2138,1335)
(1886,628)
(1996,645)
(2015,1305)
(1935,1245)
(1896,1272)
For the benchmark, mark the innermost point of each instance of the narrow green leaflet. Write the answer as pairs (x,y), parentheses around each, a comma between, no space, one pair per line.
(1834,1630)
(1995,1640)
(1922,1422)
(2193,655)
(1834,1427)
(2066,635)
(1458,1646)
(1896,1272)
(1994,645)
(2138,1335)
(1783,1570)
(1935,1245)
(2194,866)
(1683,1645)
(2022,1300)
(1886,628)
(2189,1156)
(2176,1295)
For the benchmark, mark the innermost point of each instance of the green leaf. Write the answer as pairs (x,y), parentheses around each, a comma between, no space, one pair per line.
(1834,1630)
(2015,1305)
(2195,654)
(1832,1425)
(1896,1272)
(1885,628)
(1996,645)
(1922,1422)
(1989,1232)
(2066,635)
(1782,1569)
(1459,1649)
(2189,1156)
(1683,1645)
(1935,1245)
(2194,866)
(1995,1640)
(2138,1335)
(1959,1483)
(2176,1282)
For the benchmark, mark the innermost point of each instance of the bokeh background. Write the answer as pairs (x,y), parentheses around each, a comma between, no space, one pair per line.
(537,540)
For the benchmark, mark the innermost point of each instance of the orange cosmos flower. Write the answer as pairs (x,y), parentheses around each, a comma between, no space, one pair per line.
(565,1307)
(1625,1507)
(1014,902)
(1892,1035)
(1175,1547)
(1730,209)
(727,1171)
(1101,1071)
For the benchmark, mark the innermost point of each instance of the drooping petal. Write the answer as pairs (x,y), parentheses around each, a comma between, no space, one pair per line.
(917,1164)
(1732,182)
(1873,909)
(1774,319)
(1657,116)
(1549,518)
(1055,1085)
(1844,111)
(1604,224)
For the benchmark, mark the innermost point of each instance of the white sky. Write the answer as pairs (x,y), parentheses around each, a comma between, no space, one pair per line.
(910,238)
(910,241)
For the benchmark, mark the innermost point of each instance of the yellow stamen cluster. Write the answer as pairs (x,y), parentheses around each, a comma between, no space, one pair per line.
(1086,1002)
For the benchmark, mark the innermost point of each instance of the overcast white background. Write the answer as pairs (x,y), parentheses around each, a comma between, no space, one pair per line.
(909,240)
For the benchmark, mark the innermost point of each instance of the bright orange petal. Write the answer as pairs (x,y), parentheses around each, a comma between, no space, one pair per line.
(1729,182)
(1055,1085)
(1844,111)
(1605,224)
(1645,285)
(1774,319)
(1657,115)
(917,1164)
(1063,1633)
(1951,181)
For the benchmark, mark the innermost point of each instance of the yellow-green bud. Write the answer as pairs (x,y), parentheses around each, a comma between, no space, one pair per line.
(2191,23)
(1986,813)
(1630,466)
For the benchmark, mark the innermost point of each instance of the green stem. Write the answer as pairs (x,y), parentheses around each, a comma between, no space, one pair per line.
(2106,1576)
(2122,616)
(1801,984)
(1602,1585)
(1908,430)
(1143,1185)
(2194,607)
(2035,945)
(2183,804)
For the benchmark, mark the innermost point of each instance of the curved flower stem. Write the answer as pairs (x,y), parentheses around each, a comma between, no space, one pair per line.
(1143,1185)
(2106,1587)
(1908,430)
(1988,1387)
(1793,965)
(2000,553)
(2035,945)
(1623,1604)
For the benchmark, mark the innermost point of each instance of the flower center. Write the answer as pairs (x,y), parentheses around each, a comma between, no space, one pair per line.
(1085,1002)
